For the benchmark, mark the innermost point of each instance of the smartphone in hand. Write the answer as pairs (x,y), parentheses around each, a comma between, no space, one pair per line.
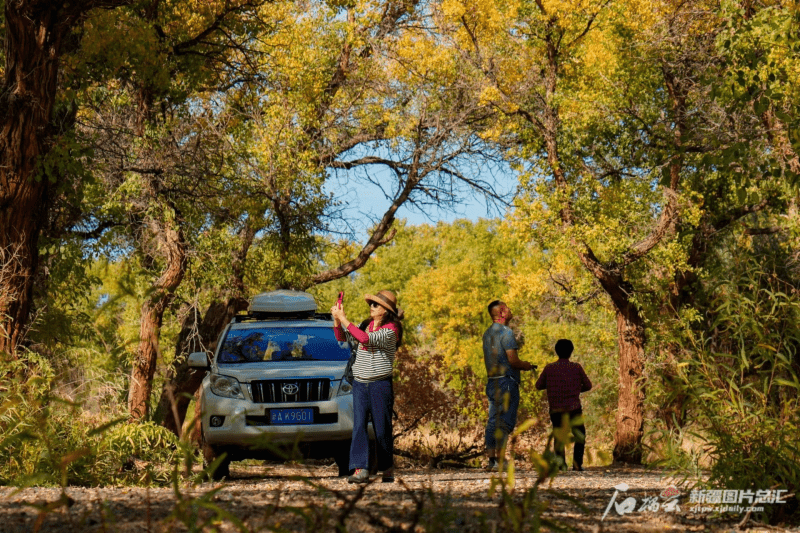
(341,298)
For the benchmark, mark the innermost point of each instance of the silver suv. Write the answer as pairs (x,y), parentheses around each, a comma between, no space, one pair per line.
(275,383)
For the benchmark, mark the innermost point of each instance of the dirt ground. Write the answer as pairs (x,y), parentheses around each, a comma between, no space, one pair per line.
(312,498)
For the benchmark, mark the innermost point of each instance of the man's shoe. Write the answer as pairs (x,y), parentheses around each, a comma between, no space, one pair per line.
(578,468)
(388,476)
(493,465)
(361,475)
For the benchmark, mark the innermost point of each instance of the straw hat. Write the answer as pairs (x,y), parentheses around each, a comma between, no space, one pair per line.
(387,300)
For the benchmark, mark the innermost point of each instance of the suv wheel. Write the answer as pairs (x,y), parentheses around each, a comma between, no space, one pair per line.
(211,454)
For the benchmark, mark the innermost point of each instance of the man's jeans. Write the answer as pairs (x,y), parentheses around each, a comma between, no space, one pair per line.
(503,396)
(573,421)
(376,397)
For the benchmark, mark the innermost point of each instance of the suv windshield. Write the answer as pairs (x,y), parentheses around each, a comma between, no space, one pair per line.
(253,345)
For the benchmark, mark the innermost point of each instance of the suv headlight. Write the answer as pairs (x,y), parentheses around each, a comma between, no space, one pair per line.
(226,386)
(345,388)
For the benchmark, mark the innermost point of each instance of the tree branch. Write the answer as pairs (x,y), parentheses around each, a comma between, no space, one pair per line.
(368,160)
(96,232)
(764,231)
(179,48)
(343,270)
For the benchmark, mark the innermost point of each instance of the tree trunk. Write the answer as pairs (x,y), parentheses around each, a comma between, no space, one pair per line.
(34,33)
(630,405)
(177,392)
(183,382)
(144,366)
(631,341)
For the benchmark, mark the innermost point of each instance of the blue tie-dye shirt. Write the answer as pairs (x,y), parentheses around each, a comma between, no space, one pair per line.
(497,339)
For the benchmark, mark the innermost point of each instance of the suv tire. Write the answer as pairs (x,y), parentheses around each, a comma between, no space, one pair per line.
(211,454)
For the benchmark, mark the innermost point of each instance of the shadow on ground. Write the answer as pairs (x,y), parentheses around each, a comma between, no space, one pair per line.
(312,498)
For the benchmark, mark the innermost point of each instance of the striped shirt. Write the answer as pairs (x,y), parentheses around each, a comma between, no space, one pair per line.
(376,350)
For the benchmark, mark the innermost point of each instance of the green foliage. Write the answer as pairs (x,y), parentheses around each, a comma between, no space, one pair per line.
(47,440)
(741,375)
(520,510)
(88,327)
(26,389)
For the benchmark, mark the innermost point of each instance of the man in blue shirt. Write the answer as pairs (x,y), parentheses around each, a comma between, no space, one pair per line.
(503,368)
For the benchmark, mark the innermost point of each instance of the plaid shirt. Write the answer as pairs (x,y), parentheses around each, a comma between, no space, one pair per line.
(564,381)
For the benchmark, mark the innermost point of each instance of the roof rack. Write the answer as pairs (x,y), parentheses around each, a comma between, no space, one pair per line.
(243,318)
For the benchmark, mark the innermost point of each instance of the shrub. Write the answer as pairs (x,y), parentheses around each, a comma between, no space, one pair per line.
(436,422)
(45,440)
(740,376)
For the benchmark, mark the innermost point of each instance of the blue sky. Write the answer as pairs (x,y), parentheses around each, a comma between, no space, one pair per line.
(367,202)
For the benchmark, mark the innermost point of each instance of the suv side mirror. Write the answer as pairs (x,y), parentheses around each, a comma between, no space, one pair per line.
(198,360)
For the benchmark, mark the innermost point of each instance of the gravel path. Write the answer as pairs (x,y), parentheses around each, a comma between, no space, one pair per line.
(312,498)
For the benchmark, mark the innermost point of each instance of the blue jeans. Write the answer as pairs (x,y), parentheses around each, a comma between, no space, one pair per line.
(503,396)
(377,398)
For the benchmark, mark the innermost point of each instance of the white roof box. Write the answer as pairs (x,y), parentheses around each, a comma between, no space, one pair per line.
(283,301)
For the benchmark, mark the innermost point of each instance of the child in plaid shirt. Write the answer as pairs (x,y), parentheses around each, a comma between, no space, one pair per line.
(564,382)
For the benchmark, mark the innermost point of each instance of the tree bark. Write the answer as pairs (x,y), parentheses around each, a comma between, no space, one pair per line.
(630,405)
(144,366)
(631,340)
(34,35)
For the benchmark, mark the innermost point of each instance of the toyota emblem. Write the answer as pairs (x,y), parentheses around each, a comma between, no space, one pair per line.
(290,389)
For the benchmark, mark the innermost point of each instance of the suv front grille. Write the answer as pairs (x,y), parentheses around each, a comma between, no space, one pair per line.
(282,391)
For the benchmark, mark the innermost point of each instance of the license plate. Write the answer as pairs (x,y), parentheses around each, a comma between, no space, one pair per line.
(291,416)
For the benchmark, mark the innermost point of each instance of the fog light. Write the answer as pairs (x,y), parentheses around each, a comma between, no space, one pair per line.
(345,388)
(216,421)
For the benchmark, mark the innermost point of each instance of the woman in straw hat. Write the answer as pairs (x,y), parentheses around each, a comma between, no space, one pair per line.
(372,387)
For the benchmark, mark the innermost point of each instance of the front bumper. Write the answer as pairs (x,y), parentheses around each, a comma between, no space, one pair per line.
(244,421)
